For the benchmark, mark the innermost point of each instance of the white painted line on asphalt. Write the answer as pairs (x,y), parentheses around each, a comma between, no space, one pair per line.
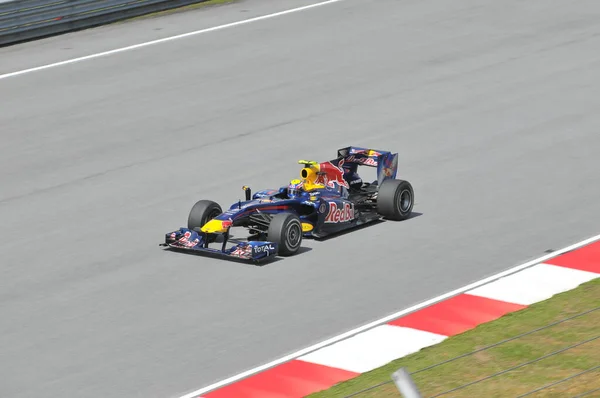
(388,318)
(167,39)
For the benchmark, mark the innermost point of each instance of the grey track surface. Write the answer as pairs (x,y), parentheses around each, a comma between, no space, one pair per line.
(139,30)
(492,106)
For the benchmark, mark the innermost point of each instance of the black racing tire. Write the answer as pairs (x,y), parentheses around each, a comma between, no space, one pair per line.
(395,199)
(202,212)
(285,229)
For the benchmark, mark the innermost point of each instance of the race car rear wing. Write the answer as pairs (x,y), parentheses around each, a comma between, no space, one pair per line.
(386,162)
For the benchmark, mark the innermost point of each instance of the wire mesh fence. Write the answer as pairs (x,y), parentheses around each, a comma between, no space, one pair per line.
(554,360)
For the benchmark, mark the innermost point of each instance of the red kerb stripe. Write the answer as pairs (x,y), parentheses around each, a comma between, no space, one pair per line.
(457,314)
(586,258)
(294,379)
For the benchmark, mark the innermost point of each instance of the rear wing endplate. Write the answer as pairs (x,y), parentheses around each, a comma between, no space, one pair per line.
(386,162)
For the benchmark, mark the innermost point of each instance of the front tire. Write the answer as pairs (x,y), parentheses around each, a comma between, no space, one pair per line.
(285,229)
(395,199)
(202,212)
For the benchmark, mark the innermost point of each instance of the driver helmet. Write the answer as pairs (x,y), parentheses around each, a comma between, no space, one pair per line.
(295,188)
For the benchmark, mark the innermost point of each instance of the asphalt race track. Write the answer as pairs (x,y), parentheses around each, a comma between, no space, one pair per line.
(492,107)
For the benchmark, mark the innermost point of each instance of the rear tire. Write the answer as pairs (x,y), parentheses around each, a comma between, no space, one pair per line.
(202,212)
(395,199)
(285,229)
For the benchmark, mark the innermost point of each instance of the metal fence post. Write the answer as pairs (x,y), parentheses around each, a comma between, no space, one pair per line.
(405,384)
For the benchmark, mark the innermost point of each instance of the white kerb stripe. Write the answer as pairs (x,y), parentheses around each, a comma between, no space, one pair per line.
(373,348)
(534,284)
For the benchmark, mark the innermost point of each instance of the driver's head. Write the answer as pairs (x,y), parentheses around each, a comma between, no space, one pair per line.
(294,188)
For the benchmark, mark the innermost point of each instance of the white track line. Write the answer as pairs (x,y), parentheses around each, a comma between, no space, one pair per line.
(167,39)
(387,319)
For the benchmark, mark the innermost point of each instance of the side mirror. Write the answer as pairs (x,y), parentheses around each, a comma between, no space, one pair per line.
(248,192)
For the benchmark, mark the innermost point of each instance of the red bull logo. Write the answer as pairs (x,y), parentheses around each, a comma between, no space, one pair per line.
(389,165)
(368,152)
(365,161)
(332,174)
(337,215)
(185,240)
(227,223)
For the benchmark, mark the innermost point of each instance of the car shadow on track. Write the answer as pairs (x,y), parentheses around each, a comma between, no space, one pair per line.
(369,225)
(301,251)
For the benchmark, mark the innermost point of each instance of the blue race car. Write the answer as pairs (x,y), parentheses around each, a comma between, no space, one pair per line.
(329,197)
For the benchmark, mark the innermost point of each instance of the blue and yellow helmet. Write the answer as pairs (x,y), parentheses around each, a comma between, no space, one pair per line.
(295,188)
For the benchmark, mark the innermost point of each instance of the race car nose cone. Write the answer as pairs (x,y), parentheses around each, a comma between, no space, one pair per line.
(214,227)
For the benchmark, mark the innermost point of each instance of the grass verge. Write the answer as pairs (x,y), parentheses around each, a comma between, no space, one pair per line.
(202,4)
(513,353)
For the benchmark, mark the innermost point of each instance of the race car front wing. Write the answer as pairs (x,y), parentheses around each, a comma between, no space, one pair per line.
(185,239)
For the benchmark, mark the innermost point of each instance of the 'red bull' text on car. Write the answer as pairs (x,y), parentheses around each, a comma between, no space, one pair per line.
(329,197)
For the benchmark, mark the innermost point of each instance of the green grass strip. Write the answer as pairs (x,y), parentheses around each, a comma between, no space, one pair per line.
(552,346)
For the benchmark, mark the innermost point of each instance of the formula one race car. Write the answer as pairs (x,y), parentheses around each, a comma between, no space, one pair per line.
(328,198)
